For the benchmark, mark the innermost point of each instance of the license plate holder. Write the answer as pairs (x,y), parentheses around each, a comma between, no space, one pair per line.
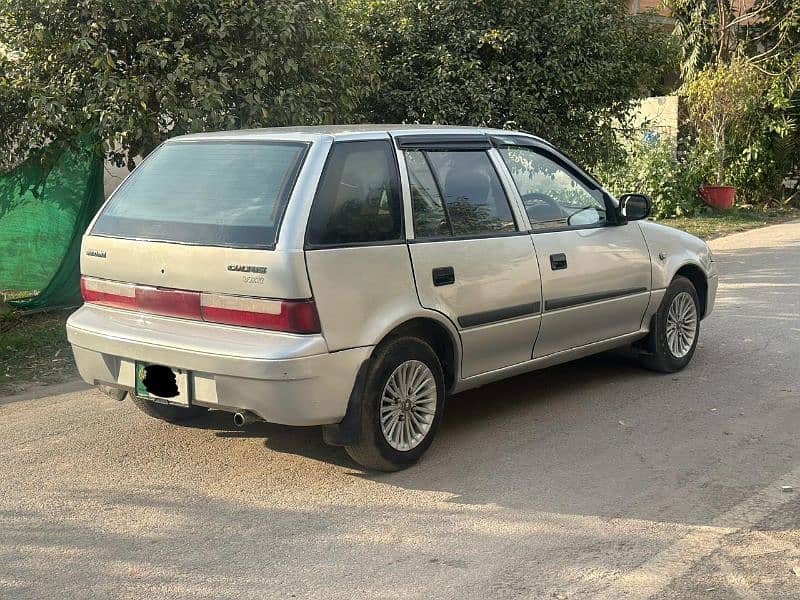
(162,384)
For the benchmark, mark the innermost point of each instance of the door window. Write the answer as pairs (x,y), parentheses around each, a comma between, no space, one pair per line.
(456,193)
(358,199)
(430,220)
(552,195)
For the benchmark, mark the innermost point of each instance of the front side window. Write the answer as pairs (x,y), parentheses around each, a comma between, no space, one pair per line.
(456,193)
(358,199)
(553,197)
(209,193)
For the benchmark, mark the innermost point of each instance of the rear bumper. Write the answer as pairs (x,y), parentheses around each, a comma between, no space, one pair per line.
(283,378)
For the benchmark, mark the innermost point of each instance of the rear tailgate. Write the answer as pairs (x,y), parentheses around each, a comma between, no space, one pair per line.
(203,215)
(238,271)
(193,233)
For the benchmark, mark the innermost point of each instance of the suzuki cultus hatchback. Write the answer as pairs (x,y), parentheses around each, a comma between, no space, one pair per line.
(354,277)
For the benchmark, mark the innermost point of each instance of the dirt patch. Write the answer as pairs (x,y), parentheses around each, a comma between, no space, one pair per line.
(34,350)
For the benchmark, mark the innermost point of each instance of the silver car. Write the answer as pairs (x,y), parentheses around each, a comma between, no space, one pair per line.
(355,276)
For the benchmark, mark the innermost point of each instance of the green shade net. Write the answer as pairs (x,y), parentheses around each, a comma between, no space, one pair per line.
(42,218)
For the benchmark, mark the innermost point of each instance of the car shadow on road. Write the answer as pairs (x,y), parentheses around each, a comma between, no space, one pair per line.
(600,435)
(300,441)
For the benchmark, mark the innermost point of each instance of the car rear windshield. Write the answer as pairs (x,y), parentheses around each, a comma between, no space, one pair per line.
(207,193)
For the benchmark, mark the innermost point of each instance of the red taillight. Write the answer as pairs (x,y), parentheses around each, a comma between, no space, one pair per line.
(102,292)
(170,303)
(292,316)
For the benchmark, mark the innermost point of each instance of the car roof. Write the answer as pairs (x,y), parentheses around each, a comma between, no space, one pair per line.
(361,131)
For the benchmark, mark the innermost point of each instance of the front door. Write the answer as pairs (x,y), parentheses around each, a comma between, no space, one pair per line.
(596,275)
(471,260)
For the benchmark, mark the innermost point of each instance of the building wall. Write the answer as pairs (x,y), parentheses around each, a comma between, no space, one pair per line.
(658,118)
(637,6)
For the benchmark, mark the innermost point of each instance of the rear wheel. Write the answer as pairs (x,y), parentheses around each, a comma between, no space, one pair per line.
(676,329)
(168,412)
(401,406)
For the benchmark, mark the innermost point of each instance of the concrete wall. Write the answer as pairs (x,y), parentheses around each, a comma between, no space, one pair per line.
(657,117)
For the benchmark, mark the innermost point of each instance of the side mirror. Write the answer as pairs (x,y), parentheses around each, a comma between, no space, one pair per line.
(634,207)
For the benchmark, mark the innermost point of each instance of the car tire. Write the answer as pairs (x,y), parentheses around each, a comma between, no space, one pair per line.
(410,416)
(675,329)
(168,412)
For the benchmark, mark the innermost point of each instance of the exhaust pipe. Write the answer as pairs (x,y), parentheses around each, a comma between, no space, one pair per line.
(241,419)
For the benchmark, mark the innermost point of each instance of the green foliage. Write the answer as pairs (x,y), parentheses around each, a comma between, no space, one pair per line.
(720,100)
(764,147)
(138,71)
(564,69)
(652,168)
(703,27)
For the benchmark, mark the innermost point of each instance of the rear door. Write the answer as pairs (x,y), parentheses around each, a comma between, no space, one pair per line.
(471,260)
(358,263)
(595,274)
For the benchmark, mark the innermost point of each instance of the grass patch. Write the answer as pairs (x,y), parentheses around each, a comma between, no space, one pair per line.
(717,224)
(34,349)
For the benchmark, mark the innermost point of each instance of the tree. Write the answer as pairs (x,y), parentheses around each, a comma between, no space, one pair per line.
(716,31)
(714,34)
(567,70)
(720,99)
(135,72)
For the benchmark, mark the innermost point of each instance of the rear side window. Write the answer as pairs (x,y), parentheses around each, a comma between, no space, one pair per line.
(208,193)
(457,193)
(358,199)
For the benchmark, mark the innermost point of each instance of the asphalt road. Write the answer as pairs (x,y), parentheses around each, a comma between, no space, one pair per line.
(590,480)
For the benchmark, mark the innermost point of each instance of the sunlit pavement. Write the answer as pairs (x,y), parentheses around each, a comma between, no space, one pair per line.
(591,480)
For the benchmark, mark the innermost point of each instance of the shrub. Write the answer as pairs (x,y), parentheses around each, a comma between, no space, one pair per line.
(652,168)
(721,100)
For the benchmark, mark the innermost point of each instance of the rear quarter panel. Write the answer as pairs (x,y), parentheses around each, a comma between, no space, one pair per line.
(362,293)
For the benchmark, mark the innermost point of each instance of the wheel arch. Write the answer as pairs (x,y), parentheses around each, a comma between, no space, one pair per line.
(441,337)
(697,276)
(437,331)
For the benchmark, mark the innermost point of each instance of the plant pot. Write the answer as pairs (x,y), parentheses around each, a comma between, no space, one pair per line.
(719,196)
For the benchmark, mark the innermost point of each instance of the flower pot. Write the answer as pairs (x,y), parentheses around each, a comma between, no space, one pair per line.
(720,197)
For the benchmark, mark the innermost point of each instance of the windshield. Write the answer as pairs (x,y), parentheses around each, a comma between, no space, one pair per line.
(208,193)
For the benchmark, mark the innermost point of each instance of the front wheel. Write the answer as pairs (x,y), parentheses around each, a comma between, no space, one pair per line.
(401,406)
(676,329)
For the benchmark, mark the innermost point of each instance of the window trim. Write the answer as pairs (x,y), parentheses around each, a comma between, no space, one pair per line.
(555,156)
(393,242)
(286,195)
(439,191)
(456,142)
(476,236)
(519,229)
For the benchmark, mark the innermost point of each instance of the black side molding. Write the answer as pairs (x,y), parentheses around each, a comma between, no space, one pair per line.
(557,303)
(445,141)
(500,314)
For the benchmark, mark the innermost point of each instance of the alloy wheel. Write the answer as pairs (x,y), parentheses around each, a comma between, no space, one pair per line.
(681,324)
(408,405)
